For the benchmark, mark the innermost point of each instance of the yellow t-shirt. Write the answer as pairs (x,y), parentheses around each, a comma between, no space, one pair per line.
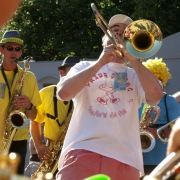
(30,89)
(51,128)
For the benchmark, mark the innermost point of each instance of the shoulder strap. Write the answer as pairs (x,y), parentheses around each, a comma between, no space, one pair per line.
(70,107)
(55,102)
(166,107)
(55,108)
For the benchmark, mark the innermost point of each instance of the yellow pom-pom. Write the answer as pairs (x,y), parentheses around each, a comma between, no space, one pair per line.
(159,69)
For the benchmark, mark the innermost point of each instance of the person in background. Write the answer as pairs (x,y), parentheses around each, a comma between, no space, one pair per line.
(33,154)
(11,46)
(104,129)
(51,112)
(169,110)
(33,158)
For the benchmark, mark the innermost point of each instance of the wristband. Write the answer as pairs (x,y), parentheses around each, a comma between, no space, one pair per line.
(31,107)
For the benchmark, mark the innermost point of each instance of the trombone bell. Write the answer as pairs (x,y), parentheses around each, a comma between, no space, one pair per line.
(142,38)
(142,41)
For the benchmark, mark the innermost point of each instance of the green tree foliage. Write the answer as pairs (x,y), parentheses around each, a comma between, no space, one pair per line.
(53,29)
(165,13)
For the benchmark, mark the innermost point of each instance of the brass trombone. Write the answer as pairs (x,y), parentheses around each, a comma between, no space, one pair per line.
(141,38)
(105,27)
(164,140)
(169,166)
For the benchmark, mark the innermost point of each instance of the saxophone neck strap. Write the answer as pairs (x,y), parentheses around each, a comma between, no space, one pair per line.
(5,78)
(165,103)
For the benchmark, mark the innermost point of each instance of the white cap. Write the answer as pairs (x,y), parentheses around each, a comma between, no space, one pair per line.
(120,18)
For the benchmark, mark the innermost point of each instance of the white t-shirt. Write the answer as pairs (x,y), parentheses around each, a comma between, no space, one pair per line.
(105,120)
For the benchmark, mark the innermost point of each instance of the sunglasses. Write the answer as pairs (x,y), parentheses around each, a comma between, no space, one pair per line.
(10,48)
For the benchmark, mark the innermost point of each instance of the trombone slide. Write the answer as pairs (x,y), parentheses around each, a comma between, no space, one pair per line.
(100,21)
(168,164)
(164,140)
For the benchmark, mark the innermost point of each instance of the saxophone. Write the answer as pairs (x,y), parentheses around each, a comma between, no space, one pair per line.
(147,138)
(14,119)
(51,165)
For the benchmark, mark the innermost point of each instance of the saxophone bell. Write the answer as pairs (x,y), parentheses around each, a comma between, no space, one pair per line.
(147,139)
(18,119)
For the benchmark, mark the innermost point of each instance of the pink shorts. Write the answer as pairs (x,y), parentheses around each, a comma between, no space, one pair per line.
(80,164)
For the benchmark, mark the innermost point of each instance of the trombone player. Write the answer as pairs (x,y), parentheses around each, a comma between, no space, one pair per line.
(104,129)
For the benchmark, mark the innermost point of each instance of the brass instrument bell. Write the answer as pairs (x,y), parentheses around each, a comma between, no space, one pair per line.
(142,38)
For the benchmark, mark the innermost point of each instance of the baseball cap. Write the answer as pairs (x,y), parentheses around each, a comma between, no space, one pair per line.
(69,61)
(120,18)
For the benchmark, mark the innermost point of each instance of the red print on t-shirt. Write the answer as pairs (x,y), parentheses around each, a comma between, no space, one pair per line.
(109,91)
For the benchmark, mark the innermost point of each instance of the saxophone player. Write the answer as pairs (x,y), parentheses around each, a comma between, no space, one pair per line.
(170,110)
(11,46)
(51,112)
